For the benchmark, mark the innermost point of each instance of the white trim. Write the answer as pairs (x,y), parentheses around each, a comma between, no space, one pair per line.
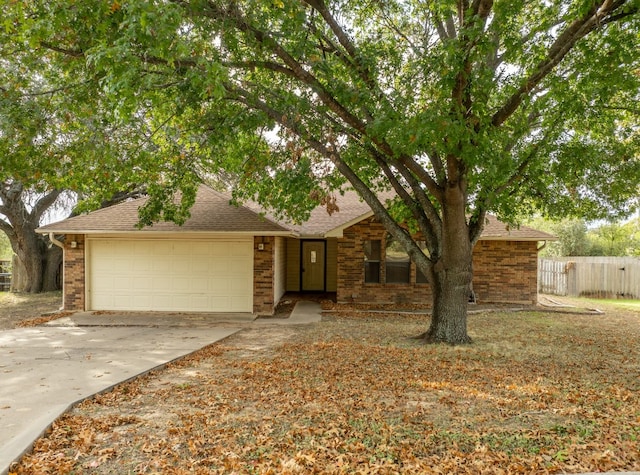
(337,232)
(171,237)
(146,233)
(516,239)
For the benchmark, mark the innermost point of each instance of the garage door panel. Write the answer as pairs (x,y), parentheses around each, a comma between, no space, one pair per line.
(183,284)
(200,266)
(141,263)
(160,265)
(211,276)
(200,249)
(122,283)
(219,286)
(182,266)
(141,285)
(199,286)
(237,249)
(160,283)
(103,302)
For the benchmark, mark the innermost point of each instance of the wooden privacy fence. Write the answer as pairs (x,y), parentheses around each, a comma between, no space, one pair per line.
(604,277)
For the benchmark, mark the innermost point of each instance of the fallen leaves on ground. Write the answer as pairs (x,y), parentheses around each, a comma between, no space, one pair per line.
(535,393)
(18,307)
(34,322)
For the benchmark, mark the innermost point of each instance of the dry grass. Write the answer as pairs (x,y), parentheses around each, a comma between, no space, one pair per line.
(17,309)
(536,393)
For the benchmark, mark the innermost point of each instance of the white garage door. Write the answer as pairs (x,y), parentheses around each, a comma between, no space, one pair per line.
(170,275)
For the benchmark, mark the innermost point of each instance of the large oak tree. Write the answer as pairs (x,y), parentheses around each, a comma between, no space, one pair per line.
(461,107)
(54,145)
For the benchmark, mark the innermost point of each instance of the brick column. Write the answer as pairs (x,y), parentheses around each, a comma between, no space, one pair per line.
(263,275)
(74,275)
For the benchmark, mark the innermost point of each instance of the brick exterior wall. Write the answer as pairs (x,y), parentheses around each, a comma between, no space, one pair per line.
(263,275)
(504,272)
(74,275)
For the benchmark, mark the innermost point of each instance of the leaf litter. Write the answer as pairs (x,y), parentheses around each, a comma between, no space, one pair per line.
(536,393)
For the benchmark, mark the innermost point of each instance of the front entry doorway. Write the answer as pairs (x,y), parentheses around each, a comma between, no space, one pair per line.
(313,266)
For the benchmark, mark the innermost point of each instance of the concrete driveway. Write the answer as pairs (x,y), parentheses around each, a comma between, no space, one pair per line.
(46,370)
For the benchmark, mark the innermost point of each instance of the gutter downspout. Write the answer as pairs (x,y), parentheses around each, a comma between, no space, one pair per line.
(53,239)
(544,244)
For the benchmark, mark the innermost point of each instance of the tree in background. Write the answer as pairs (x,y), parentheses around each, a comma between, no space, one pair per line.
(572,238)
(52,141)
(461,107)
(37,264)
(5,248)
(575,238)
(614,239)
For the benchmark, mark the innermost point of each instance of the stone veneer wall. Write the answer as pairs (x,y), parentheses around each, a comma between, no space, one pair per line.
(504,272)
(74,273)
(263,275)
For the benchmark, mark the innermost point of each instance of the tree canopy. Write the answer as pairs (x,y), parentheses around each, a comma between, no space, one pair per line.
(461,107)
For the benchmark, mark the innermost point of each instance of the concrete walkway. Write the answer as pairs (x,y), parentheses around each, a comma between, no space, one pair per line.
(46,370)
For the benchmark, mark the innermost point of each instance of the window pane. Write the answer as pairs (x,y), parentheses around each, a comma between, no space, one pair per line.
(397,263)
(372,251)
(372,272)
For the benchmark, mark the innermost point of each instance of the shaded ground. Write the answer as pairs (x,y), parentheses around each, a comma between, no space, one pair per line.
(16,308)
(538,392)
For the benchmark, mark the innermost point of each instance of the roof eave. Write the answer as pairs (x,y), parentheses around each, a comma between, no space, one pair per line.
(515,238)
(284,233)
(338,231)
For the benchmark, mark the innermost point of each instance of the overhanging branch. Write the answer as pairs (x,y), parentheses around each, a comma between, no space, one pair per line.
(596,17)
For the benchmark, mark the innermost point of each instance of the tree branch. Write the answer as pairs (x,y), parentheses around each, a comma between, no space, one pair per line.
(43,204)
(75,53)
(428,220)
(423,176)
(578,29)
(361,188)
(345,41)
(6,228)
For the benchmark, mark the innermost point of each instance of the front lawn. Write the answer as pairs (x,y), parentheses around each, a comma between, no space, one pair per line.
(537,392)
(17,309)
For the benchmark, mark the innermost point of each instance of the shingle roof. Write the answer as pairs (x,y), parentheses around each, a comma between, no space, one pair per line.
(212,212)
(351,209)
(495,230)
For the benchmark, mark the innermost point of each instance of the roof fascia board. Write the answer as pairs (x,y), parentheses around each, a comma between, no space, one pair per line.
(186,233)
(337,232)
(513,238)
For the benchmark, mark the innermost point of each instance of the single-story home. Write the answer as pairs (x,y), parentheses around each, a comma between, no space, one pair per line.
(228,258)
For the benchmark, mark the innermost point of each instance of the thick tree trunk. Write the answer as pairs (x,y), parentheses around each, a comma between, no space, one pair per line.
(18,275)
(451,277)
(30,251)
(449,314)
(51,276)
(36,266)
(37,262)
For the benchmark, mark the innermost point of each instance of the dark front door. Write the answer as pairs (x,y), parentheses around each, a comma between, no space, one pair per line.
(313,266)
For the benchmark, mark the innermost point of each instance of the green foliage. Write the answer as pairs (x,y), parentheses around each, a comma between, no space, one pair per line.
(462,108)
(5,247)
(614,239)
(280,100)
(576,239)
